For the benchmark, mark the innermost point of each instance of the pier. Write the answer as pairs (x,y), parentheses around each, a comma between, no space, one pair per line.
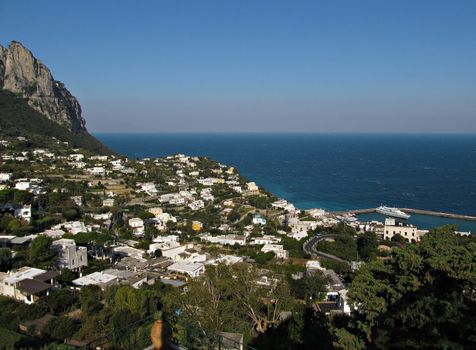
(413,211)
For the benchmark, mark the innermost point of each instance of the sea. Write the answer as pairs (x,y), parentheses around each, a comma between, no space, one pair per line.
(338,171)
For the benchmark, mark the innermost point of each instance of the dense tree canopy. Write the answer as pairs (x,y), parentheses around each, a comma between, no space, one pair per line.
(367,244)
(41,254)
(422,298)
(229,299)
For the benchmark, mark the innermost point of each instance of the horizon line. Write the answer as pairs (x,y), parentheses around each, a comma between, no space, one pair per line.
(463,133)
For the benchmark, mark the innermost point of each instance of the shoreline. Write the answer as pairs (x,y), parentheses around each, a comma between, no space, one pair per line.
(412,211)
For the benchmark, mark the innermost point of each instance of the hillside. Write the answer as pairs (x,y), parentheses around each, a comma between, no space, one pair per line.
(24,74)
(17,118)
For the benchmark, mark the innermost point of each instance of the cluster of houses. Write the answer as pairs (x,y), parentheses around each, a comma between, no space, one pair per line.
(187,187)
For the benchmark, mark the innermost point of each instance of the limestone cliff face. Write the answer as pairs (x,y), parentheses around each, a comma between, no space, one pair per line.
(22,73)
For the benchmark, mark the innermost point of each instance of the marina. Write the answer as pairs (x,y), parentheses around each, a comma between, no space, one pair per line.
(413,211)
(424,219)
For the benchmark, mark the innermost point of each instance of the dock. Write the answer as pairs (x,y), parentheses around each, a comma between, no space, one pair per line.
(413,211)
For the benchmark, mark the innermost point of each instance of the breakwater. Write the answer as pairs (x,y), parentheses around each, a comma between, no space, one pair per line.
(414,211)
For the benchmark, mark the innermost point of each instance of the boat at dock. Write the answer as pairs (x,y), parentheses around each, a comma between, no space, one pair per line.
(347,218)
(393,212)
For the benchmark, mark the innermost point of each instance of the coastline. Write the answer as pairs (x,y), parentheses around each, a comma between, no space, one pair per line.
(291,167)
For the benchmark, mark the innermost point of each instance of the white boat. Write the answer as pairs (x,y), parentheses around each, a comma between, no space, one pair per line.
(394,212)
(348,218)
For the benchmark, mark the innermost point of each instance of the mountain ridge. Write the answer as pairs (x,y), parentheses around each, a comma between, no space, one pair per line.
(32,102)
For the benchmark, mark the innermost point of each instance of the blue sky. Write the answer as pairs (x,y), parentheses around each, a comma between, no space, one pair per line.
(255,65)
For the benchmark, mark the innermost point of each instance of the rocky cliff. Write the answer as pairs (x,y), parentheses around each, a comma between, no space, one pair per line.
(25,75)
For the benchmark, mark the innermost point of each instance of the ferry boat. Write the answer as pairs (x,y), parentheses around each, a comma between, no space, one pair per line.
(394,212)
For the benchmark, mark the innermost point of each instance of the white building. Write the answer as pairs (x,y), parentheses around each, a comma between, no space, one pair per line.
(70,256)
(224,239)
(23,185)
(341,301)
(252,187)
(100,279)
(197,205)
(297,234)
(316,212)
(156,211)
(24,213)
(166,239)
(126,251)
(209,181)
(409,232)
(53,233)
(277,249)
(77,156)
(225,259)
(314,265)
(149,188)
(177,200)
(237,189)
(26,284)
(109,202)
(172,250)
(137,225)
(5,177)
(191,269)
(267,239)
(73,227)
(258,220)
(97,170)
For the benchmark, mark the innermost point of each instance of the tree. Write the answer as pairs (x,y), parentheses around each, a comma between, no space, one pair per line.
(234,215)
(423,297)
(66,276)
(367,245)
(399,239)
(150,232)
(41,254)
(315,285)
(70,213)
(5,259)
(4,221)
(262,258)
(22,197)
(13,225)
(131,299)
(344,246)
(90,300)
(229,299)
(60,328)
(59,301)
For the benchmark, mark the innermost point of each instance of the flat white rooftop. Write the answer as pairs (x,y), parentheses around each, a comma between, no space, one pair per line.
(94,278)
(185,267)
(22,274)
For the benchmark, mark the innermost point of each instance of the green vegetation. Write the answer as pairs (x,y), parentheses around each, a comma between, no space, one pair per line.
(422,298)
(294,247)
(367,245)
(261,202)
(41,254)
(224,300)
(17,118)
(311,287)
(342,246)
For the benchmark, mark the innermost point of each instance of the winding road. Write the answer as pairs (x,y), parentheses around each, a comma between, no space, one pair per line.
(310,247)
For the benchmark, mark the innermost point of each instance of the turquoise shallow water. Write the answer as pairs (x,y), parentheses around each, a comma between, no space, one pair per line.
(337,171)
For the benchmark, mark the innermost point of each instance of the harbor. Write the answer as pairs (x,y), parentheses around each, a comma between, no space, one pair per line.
(413,211)
(423,219)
